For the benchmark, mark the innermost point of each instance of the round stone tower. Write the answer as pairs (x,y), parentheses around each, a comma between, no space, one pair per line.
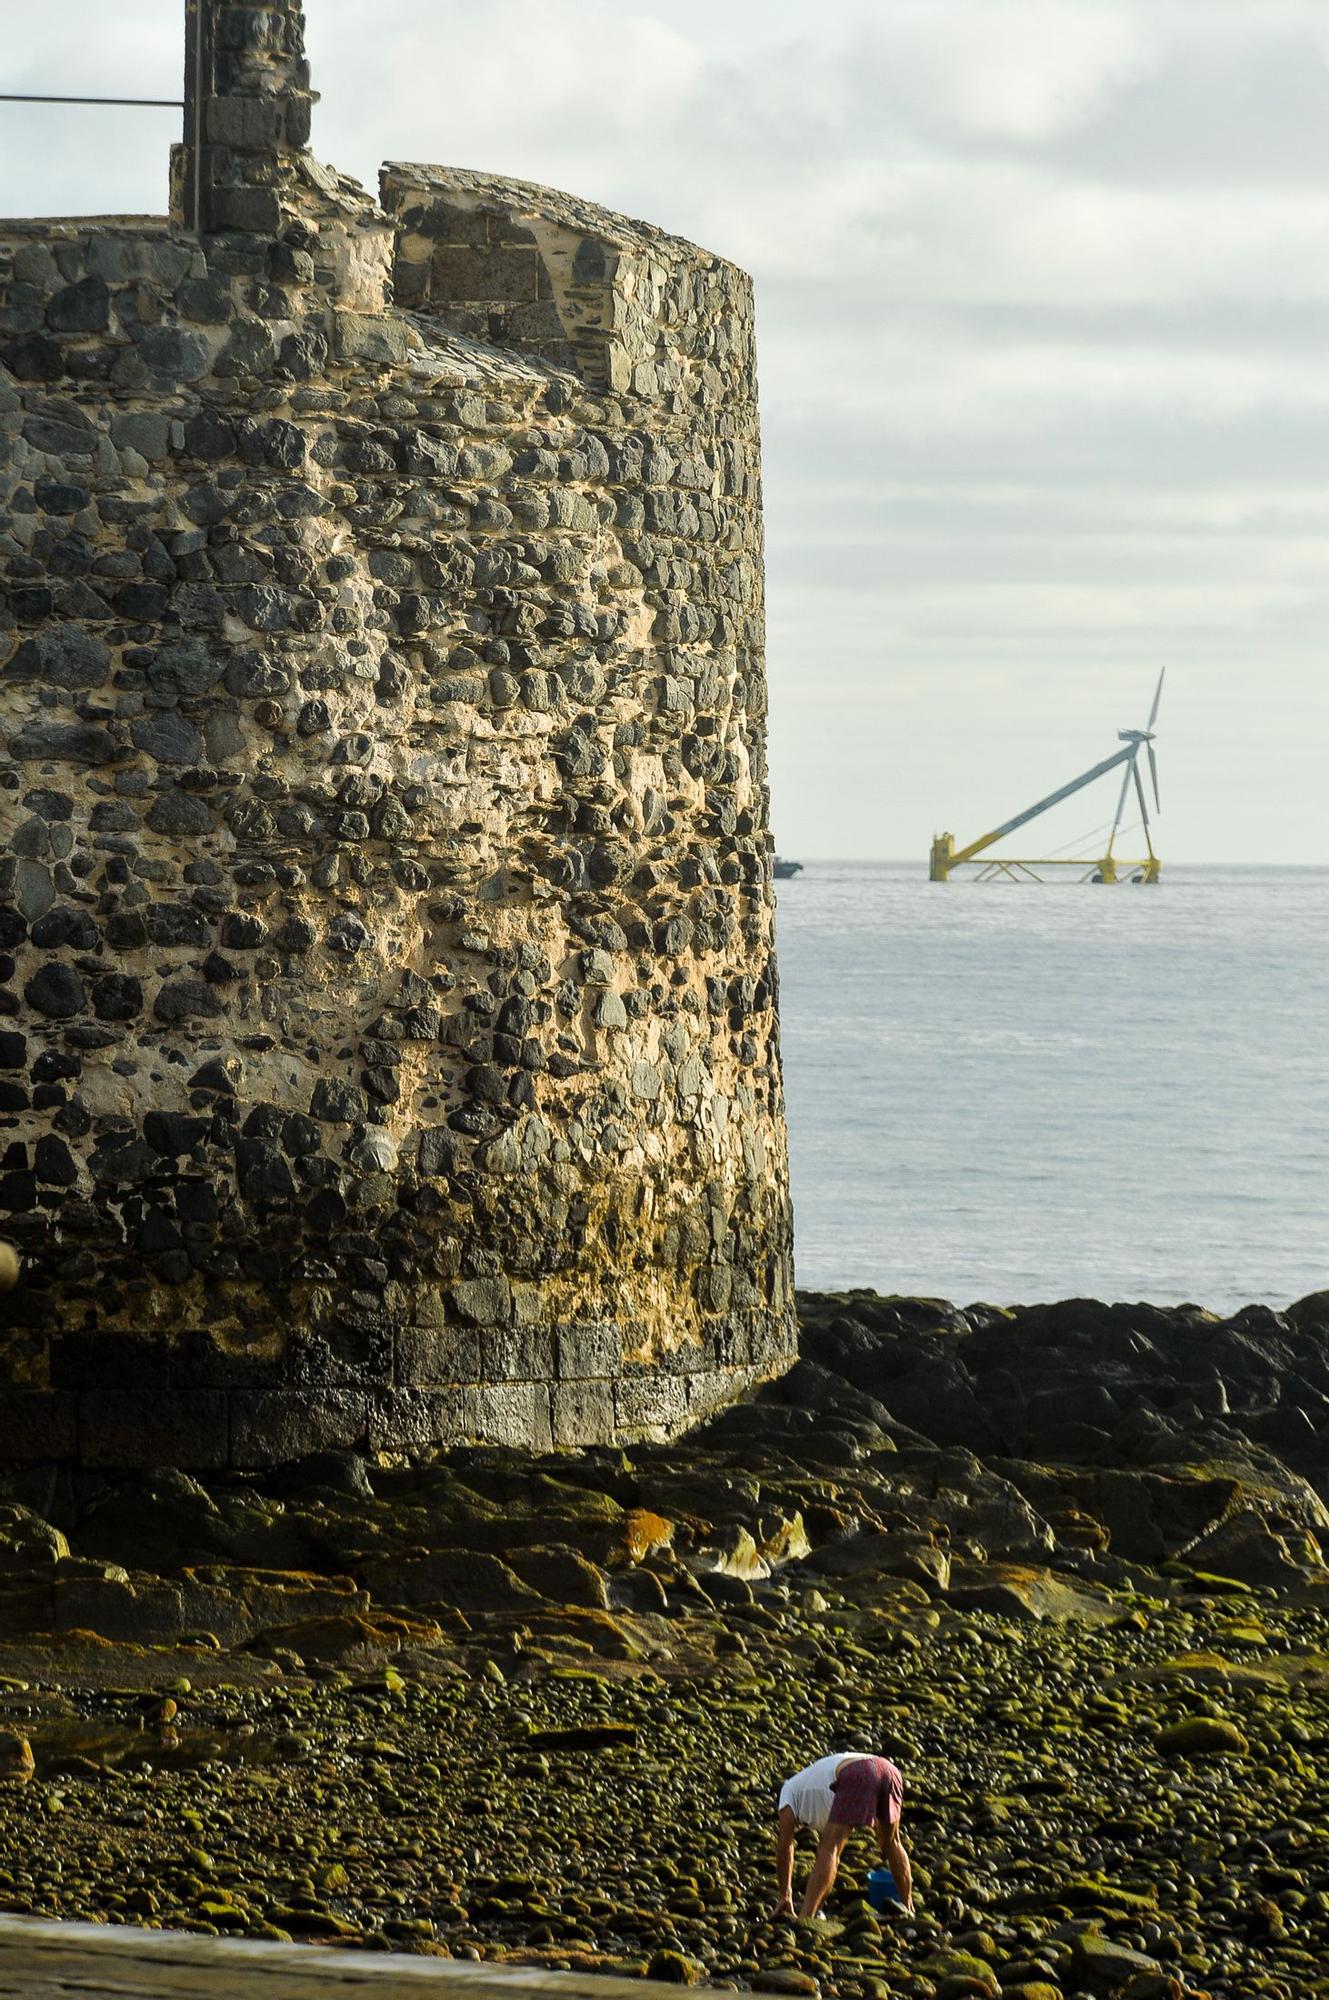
(388,1041)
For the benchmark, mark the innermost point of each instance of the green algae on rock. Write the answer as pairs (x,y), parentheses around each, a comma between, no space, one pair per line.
(1202,1736)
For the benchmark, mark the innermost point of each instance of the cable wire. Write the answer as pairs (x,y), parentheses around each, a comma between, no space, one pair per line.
(163,103)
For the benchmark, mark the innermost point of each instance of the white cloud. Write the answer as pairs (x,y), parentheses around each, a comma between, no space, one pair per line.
(1022,70)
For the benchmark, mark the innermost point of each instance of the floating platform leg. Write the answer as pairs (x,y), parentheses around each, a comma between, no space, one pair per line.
(943,854)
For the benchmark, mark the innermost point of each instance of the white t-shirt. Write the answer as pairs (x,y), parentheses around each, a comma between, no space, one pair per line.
(809,1792)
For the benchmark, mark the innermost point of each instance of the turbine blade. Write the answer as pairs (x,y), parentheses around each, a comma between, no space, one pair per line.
(1158,695)
(1153,772)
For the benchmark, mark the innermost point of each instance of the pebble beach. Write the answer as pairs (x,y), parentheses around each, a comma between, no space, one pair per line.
(538,1710)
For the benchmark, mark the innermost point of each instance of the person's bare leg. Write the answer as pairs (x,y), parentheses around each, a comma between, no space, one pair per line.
(824,1868)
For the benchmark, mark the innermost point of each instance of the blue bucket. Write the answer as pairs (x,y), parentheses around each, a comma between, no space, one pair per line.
(881,1888)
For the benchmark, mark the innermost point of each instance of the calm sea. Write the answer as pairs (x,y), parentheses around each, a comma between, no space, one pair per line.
(1019,1093)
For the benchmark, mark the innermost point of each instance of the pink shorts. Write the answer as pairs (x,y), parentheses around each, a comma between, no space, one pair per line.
(867,1789)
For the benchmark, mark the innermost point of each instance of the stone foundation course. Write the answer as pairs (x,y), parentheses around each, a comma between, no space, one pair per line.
(388,1009)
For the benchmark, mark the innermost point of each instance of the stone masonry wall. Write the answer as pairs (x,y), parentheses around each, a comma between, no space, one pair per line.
(388,1042)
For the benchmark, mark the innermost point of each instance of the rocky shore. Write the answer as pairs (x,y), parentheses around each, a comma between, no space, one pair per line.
(1063,1562)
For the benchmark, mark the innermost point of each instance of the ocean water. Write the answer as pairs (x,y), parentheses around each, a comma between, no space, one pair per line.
(1021,1093)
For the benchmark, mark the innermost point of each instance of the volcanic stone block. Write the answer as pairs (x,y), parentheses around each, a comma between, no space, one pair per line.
(370,339)
(269,1427)
(482,1301)
(351,1349)
(57,992)
(436,1354)
(37,1424)
(514,1354)
(80,308)
(186,1427)
(589,1349)
(172,354)
(513,1413)
(464,273)
(63,656)
(644,1404)
(415,1419)
(582,1412)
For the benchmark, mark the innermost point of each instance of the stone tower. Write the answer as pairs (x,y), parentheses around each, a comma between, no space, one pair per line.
(388,1039)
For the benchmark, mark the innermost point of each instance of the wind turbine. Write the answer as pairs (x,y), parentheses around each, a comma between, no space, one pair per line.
(1139,739)
(946,858)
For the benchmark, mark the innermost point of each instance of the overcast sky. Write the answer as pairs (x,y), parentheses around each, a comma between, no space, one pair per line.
(1043,295)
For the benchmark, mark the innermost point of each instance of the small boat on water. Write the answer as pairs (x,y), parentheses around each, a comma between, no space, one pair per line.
(784,870)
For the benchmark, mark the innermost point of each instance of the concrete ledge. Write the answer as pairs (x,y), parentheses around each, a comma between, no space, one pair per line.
(103,1962)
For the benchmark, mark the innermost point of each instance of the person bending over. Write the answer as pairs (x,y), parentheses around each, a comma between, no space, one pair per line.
(832,1797)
